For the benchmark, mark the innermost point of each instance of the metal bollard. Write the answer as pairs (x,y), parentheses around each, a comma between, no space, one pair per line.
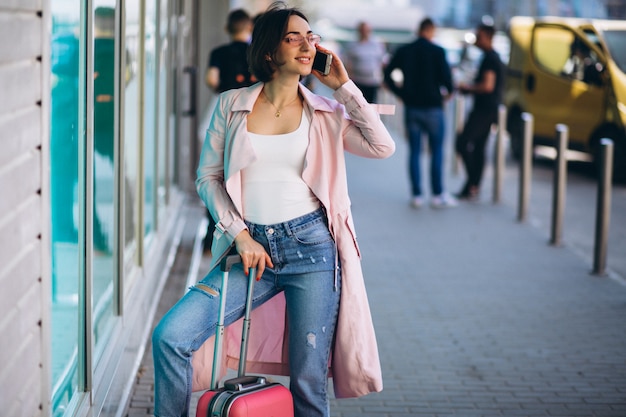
(525,167)
(603,207)
(499,155)
(560,181)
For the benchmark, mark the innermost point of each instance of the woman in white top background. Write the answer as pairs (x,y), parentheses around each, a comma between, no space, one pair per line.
(272,173)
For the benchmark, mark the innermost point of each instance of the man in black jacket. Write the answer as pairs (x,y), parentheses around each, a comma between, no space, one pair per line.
(425,74)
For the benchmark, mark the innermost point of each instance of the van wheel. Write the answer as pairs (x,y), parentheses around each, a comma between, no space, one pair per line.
(516,131)
(619,152)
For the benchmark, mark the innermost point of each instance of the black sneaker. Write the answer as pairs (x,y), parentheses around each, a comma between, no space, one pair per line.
(469,194)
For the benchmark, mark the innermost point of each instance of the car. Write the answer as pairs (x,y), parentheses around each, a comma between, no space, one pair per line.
(568,71)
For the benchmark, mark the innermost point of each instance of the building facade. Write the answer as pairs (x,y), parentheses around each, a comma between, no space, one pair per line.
(97,122)
(23,225)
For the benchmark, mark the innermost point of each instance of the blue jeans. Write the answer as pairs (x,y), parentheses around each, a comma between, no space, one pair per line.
(429,121)
(303,253)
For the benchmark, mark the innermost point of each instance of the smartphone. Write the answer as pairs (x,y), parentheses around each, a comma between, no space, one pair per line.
(322,62)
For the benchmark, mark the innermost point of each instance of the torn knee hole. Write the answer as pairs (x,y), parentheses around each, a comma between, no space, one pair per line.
(310,340)
(207,289)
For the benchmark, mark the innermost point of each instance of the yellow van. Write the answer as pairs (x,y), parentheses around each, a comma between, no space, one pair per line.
(570,71)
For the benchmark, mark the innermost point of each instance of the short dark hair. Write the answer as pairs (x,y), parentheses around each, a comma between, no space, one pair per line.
(237,21)
(269,31)
(487,29)
(426,24)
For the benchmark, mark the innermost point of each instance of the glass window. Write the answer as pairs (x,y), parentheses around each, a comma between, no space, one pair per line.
(561,52)
(104,205)
(163,126)
(128,173)
(551,48)
(131,134)
(150,109)
(64,139)
(616,42)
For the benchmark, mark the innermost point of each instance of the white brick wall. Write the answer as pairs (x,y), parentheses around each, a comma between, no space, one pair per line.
(22,221)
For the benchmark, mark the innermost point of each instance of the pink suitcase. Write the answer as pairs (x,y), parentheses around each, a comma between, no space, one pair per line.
(244,396)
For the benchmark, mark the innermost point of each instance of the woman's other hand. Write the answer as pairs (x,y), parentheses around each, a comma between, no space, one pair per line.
(252,253)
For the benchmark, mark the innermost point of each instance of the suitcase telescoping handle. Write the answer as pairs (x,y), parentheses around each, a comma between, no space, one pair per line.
(225,266)
(244,383)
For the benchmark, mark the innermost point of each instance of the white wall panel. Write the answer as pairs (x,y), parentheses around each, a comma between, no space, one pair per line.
(23,177)
(20,84)
(21,369)
(21,36)
(21,264)
(22,372)
(20,132)
(21,5)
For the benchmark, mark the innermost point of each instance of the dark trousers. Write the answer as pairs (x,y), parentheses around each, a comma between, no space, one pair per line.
(470,144)
(369,92)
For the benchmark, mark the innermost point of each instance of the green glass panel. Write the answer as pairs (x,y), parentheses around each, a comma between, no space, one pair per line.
(150,107)
(131,117)
(104,171)
(162,106)
(64,139)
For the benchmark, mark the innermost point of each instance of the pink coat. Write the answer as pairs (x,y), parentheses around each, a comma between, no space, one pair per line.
(355,365)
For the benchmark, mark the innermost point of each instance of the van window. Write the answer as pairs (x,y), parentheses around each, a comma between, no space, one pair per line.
(551,48)
(593,38)
(560,52)
(616,42)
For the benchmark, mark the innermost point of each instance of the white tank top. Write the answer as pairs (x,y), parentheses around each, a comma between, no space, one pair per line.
(273,189)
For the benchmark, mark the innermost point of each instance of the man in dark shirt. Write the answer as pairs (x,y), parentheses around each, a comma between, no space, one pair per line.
(228,65)
(487,92)
(425,74)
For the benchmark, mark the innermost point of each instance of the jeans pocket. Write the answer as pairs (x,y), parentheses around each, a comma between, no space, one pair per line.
(313,233)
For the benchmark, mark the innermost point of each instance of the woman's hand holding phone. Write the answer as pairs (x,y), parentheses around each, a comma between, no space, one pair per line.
(337,74)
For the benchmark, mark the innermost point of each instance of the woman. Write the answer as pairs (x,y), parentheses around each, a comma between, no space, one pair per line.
(272,172)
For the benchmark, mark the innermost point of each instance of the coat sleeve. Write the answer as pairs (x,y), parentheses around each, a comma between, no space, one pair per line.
(363,133)
(210,182)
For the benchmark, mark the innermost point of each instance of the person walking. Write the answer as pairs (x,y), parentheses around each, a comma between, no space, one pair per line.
(426,74)
(272,173)
(227,69)
(364,61)
(487,91)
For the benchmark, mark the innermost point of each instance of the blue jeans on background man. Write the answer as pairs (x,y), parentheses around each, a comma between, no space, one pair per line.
(430,121)
(303,253)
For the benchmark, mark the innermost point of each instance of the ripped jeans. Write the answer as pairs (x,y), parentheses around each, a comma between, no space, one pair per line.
(303,253)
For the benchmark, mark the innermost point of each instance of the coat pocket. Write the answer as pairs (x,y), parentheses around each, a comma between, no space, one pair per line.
(349,225)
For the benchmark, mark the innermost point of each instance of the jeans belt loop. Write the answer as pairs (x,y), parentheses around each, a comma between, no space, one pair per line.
(287,229)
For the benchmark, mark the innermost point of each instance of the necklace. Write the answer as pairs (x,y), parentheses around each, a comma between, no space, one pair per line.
(277,114)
